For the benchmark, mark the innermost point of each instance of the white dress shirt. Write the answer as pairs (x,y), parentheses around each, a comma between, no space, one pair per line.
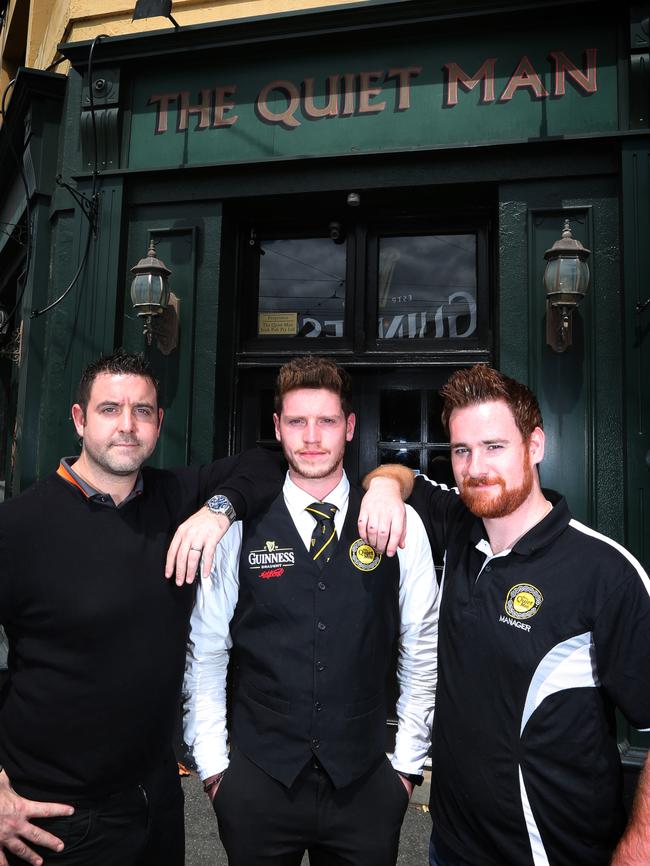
(210,640)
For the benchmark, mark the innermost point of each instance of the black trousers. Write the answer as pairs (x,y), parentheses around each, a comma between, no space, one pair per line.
(262,823)
(140,826)
(441,855)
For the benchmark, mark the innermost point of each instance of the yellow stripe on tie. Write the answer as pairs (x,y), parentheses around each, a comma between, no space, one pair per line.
(332,536)
(321,547)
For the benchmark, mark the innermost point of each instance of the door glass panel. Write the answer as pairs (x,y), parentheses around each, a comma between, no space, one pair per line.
(406,456)
(265,422)
(301,288)
(436,431)
(399,416)
(427,287)
(439,467)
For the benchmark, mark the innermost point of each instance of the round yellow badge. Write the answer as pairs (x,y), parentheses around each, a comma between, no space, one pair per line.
(523,601)
(363,556)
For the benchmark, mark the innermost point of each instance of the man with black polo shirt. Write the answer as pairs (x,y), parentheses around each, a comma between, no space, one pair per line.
(97,635)
(311,615)
(544,629)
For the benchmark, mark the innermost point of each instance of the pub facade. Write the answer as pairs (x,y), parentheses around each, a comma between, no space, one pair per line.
(383,183)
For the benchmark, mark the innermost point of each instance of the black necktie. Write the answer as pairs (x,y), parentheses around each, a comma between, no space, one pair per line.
(323,538)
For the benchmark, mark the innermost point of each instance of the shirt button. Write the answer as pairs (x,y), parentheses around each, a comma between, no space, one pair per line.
(315,743)
(321,626)
(322,585)
(488,568)
(320,666)
(318,706)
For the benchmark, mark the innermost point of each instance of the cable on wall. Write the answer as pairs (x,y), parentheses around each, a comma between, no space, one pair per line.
(88,205)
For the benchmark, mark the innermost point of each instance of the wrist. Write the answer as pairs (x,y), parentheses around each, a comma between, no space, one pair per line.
(211,783)
(220,518)
(413,778)
(394,478)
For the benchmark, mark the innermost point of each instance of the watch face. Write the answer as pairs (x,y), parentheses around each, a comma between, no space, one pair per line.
(221,505)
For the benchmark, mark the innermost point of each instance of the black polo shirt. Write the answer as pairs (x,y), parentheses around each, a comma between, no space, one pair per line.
(537,646)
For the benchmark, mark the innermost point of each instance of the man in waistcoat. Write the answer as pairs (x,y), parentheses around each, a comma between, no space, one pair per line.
(308,616)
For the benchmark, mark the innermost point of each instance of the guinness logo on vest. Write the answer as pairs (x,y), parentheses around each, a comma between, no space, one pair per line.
(271,556)
(363,556)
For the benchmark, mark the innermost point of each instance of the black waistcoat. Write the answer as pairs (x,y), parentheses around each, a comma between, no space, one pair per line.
(311,650)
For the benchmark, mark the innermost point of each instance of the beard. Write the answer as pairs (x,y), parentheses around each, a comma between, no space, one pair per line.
(305,469)
(114,462)
(483,502)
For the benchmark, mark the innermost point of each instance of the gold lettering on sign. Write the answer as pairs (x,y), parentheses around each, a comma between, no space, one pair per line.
(345,94)
(222,105)
(349,91)
(367,92)
(403,76)
(290,93)
(202,110)
(331,107)
(162,111)
(277,323)
(524,76)
(210,110)
(483,75)
(584,80)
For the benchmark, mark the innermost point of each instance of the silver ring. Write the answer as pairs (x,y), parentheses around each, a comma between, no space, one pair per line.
(198,549)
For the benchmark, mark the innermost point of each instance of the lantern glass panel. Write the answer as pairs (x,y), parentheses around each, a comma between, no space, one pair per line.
(566,274)
(569,275)
(149,289)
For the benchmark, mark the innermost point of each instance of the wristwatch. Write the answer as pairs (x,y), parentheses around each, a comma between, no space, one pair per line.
(222,505)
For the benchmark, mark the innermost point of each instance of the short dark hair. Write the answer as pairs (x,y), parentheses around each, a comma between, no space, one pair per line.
(119,363)
(480,384)
(310,371)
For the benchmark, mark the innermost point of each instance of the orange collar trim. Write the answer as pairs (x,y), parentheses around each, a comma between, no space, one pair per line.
(63,472)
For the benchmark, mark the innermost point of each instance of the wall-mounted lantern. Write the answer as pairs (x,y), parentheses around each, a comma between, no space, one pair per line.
(566,280)
(153,301)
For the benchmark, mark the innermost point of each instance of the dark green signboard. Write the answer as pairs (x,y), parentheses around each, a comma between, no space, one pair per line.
(386,97)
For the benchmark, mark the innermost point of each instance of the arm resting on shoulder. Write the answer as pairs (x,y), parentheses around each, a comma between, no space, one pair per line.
(634,847)
(382,520)
(252,482)
(402,475)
